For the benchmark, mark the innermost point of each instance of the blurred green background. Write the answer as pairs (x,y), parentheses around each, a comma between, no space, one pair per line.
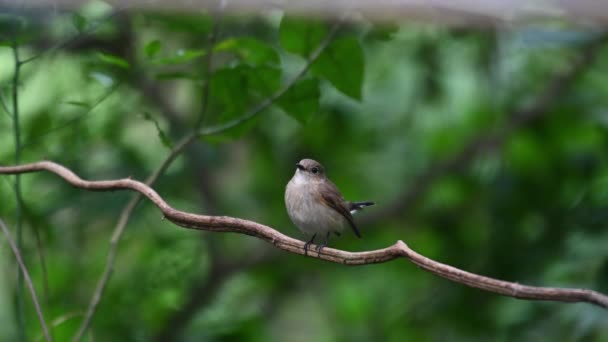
(477,149)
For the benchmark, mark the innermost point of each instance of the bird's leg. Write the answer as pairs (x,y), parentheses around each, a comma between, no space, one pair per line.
(307,244)
(319,247)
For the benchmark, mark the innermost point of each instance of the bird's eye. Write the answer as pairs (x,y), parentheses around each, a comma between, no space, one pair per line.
(314,170)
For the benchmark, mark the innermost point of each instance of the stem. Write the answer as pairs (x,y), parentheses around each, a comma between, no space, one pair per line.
(28,280)
(18,216)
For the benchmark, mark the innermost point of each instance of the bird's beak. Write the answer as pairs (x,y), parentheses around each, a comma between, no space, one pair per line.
(299,166)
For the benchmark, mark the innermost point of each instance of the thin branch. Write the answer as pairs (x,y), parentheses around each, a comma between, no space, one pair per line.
(28,280)
(18,209)
(272,98)
(75,119)
(286,243)
(185,142)
(208,64)
(4,105)
(541,106)
(117,234)
(92,28)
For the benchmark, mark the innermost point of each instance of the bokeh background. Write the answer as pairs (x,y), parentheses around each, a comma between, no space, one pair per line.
(484,147)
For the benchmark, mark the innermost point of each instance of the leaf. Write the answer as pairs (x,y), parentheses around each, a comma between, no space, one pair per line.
(113,60)
(181,56)
(79,22)
(78,104)
(301,101)
(249,50)
(152,48)
(342,64)
(164,139)
(236,90)
(301,36)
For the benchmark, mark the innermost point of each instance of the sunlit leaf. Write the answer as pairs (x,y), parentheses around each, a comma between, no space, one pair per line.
(77,104)
(236,90)
(249,50)
(301,36)
(342,64)
(79,21)
(301,101)
(113,60)
(152,48)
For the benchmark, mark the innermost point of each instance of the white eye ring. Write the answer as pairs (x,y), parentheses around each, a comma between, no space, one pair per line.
(314,170)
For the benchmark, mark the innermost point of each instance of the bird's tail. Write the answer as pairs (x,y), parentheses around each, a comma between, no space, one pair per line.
(356,206)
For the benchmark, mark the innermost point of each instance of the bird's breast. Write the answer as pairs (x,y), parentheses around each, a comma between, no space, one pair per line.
(308,212)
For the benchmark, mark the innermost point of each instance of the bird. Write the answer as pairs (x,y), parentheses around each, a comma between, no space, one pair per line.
(316,206)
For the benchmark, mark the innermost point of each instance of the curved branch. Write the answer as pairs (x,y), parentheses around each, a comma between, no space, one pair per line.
(286,243)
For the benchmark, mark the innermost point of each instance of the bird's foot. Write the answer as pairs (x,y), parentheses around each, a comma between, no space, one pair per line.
(320,247)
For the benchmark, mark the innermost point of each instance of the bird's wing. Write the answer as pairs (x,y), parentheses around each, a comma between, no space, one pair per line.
(330,196)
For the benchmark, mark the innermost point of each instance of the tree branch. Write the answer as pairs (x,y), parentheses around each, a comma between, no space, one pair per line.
(27,278)
(286,243)
(177,150)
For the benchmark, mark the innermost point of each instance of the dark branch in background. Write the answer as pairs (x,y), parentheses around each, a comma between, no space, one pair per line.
(28,280)
(19,201)
(539,108)
(177,150)
(286,243)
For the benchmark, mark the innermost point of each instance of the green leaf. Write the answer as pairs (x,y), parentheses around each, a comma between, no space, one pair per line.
(301,36)
(113,60)
(181,56)
(249,50)
(79,22)
(236,90)
(152,48)
(342,64)
(301,101)
(78,104)
(164,139)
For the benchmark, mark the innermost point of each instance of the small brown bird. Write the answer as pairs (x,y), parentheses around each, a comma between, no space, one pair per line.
(315,204)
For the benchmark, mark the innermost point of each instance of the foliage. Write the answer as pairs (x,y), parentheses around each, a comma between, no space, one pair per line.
(380,106)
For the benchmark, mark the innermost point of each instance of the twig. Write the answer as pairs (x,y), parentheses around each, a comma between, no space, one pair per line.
(208,64)
(4,105)
(286,243)
(18,209)
(185,142)
(75,119)
(28,280)
(117,234)
(75,38)
(272,98)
